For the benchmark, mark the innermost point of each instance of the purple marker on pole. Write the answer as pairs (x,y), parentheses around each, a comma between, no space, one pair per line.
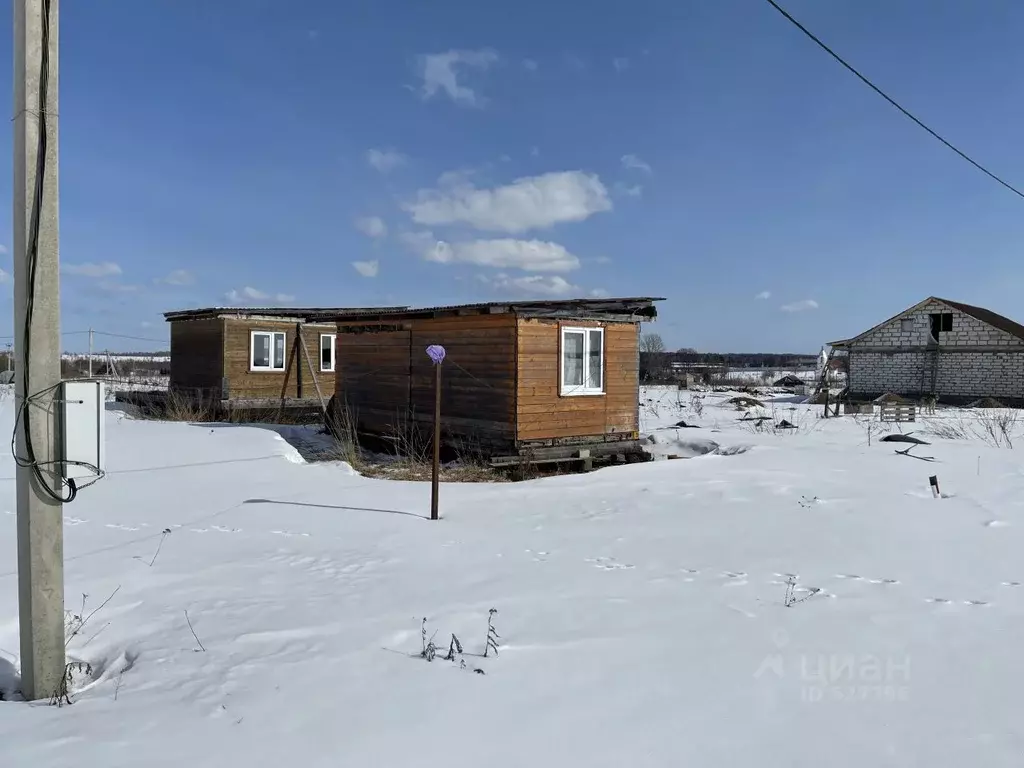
(436,353)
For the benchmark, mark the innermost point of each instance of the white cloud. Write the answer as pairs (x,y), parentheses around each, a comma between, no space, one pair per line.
(89,269)
(603,259)
(530,65)
(5,277)
(764,295)
(634,190)
(575,62)
(800,306)
(177,277)
(530,286)
(367,268)
(385,160)
(440,72)
(534,202)
(621,64)
(3,250)
(419,242)
(599,293)
(372,226)
(634,163)
(249,295)
(111,286)
(506,253)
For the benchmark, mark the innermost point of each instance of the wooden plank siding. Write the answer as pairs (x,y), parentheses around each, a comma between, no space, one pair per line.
(197,356)
(296,380)
(478,377)
(386,380)
(372,381)
(542,413)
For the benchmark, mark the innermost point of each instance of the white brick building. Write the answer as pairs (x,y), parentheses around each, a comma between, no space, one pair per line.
(958,352)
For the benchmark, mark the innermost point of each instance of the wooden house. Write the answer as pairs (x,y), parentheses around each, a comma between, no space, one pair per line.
(540,378)
(254,355)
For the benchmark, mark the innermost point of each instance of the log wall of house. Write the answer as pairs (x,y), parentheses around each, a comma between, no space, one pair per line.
(197,356)
(296,380)
(543,413)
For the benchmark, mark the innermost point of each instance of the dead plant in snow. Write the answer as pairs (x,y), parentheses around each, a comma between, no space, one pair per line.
(996,427)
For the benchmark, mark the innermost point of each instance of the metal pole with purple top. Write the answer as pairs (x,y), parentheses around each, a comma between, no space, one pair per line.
(436,353)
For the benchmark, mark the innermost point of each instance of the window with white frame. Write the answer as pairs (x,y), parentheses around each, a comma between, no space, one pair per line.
(582,361)
(326,351)
(266,351)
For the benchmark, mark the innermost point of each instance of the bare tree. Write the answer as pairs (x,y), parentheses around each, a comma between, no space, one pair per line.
(652,343)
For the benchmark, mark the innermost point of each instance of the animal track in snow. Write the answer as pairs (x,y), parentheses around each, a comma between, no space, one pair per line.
(1011,584)
(734,578)
(119,527)
(995,524)
(69,520)
(222,529)
(939,600)
(289,533)
(976,602)
(609,564)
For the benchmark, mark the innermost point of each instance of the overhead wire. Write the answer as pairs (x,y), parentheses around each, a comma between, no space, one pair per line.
(891,100)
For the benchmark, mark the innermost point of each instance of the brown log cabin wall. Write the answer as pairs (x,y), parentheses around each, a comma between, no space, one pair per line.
(542,413)
(295,380)
(386,380)
(197,355)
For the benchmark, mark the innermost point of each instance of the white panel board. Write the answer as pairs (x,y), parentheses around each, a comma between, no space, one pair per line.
(82,435)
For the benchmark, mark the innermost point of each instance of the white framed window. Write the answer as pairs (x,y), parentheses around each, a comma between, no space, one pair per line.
(582,361)
(266,351)
(327,351)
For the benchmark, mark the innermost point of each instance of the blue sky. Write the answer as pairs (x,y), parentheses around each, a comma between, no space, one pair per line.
(418,153)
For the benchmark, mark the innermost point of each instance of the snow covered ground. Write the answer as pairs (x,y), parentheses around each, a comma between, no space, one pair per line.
(641,609)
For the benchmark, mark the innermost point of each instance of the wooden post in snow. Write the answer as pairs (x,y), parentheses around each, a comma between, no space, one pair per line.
(436,353)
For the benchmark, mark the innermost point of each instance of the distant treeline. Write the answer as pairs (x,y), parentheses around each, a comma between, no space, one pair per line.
(707,366)
(736,359)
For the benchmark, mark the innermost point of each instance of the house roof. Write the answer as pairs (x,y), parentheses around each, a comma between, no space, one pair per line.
(986,316)
(989,317)
(285,313)
(638,308)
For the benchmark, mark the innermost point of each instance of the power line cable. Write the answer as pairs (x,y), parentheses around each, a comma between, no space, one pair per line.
(891,100)
(133,338)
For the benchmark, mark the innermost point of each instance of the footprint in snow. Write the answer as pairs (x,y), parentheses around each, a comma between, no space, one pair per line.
(939,600)
(222,529)
(609,564)
(734,578)
(849,576)
(71,520)
(996,524)
(289,533)
(976,602)
(119,527)
(1011,584)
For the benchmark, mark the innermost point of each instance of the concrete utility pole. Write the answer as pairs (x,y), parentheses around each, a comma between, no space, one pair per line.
(37,346)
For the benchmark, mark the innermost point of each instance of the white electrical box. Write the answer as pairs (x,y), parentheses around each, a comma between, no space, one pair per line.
(82,407)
